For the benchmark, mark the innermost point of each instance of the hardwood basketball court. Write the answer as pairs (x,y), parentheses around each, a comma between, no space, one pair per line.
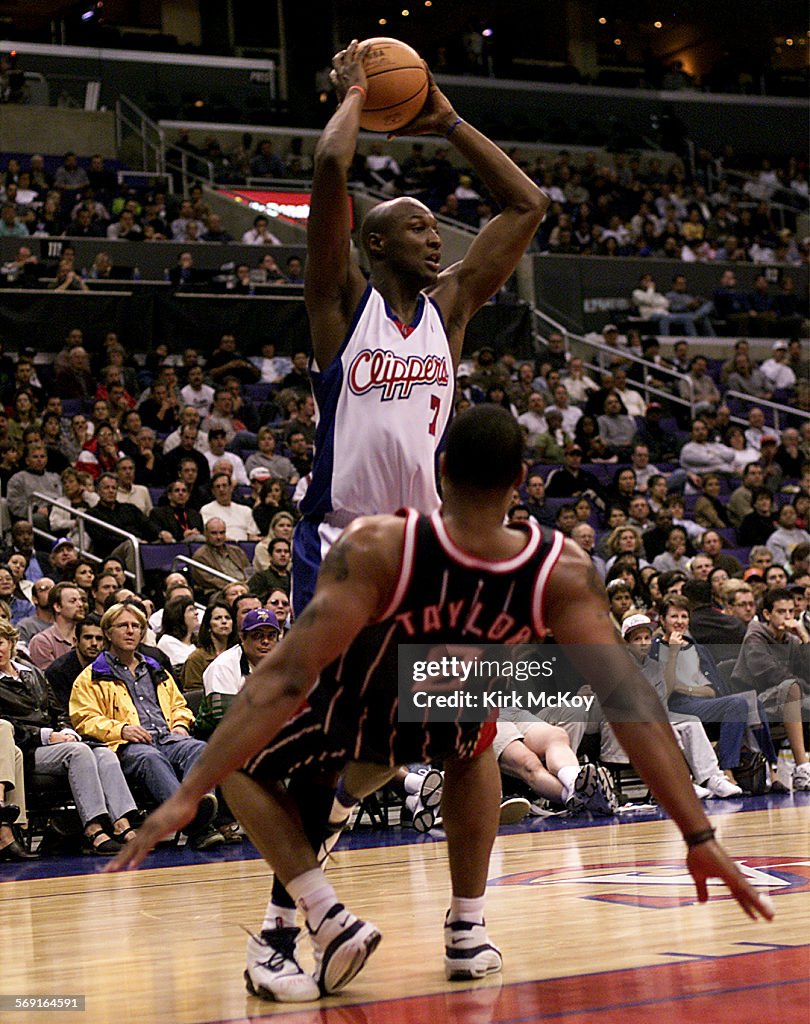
(596,924)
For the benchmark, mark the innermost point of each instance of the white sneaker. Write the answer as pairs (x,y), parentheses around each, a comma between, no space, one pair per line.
(513,810)
(801,777)
(721,787)
(701,792)
(468,953)
(341,943)
(272,970)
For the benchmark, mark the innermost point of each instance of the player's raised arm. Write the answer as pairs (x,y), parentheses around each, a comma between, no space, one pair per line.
(576,611)
(333,283)
(355,584)
(497,248)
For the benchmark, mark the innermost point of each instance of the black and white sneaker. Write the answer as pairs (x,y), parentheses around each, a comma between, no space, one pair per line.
(468,953)
(593,791)
(272,970)
(341,943)
(424,805)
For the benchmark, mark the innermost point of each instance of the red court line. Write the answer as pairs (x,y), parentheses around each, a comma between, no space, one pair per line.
(743,988)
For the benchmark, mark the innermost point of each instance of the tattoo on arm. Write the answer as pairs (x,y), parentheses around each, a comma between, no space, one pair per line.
(336,564)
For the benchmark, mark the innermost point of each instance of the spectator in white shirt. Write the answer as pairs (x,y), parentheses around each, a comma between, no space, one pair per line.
(181,222)
(578,383)
(128,490)
(196,393)
(260,233)
(786,536)
(632,400)
(238,519)
(189,417)
(700,456)
(271,366)
(651,304)
(642,467)
(216,453)
(757,430)
(776,368)
(570,413)
(533,419)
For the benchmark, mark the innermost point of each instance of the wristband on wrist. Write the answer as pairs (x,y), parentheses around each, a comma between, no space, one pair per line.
(453,127)
(359,88)
(698,838)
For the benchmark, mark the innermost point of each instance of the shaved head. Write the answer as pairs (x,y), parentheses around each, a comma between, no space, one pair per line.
(380,219)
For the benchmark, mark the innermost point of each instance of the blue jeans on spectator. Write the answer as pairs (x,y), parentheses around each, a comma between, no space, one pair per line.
(730,712)
(94,776)
(159,766)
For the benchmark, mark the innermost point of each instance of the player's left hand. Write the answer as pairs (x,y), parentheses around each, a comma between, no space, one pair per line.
(710,860)
(436,116)
(169,818)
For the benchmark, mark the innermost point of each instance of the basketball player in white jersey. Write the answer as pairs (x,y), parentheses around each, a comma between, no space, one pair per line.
(385,351)
(455,577)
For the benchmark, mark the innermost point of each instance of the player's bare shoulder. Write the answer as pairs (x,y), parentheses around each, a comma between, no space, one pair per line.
(370,548)
(574,575)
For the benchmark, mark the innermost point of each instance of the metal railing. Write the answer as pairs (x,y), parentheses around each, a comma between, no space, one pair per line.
(759,403)
(81,518)
(136,132)
(202,567)
(598,365)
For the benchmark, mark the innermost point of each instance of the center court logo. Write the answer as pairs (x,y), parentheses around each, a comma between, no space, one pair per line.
(662,884)
(395,375)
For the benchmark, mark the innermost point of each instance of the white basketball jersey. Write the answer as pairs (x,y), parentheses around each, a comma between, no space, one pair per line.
(383,405)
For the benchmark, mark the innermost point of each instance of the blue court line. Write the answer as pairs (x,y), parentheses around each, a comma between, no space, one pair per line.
(366,838)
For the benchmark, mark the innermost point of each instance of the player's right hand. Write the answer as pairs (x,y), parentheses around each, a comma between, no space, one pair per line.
(710,860)
(347,69)
(169,818)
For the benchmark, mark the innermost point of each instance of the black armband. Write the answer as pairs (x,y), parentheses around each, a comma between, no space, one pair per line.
(697,838)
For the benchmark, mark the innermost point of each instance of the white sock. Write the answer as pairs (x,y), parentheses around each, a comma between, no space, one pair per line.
(463,908)
(568,776)
(412,782)
(278,917)
(313,894)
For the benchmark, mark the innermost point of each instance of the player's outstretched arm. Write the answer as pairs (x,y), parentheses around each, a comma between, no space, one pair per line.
(355,583)
(576,611)
(333,283)
(497,248)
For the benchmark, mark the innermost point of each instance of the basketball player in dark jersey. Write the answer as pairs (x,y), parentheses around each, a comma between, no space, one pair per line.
(446,579)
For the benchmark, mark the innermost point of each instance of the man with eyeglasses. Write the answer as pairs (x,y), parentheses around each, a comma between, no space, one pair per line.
(127,701)
(42,617)
(739,601)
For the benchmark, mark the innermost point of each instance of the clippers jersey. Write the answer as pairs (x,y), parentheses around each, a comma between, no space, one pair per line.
(443,595)
(383,404)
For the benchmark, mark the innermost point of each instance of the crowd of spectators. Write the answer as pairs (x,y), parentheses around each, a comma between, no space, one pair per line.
(207,455)
(210,456)
(629,206)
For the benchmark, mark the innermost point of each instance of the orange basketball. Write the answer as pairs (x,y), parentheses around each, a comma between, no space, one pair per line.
(397,85)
